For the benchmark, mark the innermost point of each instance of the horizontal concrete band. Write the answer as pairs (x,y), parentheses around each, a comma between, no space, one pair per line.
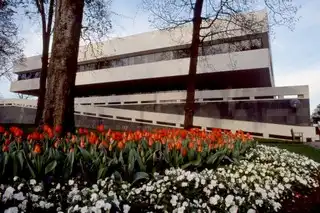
(246,60)
(265,130)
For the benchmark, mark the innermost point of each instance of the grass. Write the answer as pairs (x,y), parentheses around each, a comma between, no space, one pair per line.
(296,147)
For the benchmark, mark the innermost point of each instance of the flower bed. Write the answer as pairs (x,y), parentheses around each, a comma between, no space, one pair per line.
(94,155)
(160,171)
(263,179)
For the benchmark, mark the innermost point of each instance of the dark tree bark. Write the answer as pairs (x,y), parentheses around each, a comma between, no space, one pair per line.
(189,107)
(46,35)
(59,102)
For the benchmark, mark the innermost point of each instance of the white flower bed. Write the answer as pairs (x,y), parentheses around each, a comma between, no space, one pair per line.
(263,179)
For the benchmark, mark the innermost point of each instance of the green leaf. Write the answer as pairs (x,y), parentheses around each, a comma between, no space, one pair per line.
(117,176)
(196,162)
(139,176)
(102,172)
(31,170)
(5,162)
(142,166)
(131,160)
(86,155)
(20,158)
(50,167)
(213,158)
(15,164)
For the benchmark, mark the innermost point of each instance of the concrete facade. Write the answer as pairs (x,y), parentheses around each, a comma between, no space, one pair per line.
(276,111)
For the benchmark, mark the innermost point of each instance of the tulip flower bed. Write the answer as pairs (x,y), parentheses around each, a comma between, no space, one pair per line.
(160,171)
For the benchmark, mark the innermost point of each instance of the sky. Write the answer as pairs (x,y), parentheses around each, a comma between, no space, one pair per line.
(295,53)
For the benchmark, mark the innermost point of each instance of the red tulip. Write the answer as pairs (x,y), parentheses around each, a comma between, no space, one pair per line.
(2,129)
(100,128)
(5,148)
(58,129)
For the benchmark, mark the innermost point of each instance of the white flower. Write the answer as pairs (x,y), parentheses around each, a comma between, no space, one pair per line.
(213,200)
(11,210)
(19,196)
(94,197)
(251,211)
(126,208)
(203,181)
(71,182)
(15,178)
(229,200)
(42,204)
(233,209)
(259,202)
(221,186)
(100,204)
(107,206)
(58,186)
(23,205)
(37,188)
(33,181)
(103,183)
(84,209)
(8,194)
(20,186)
(184,184)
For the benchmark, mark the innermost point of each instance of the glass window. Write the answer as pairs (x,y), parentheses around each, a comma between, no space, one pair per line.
(130,60)
(137,59)
(245,45)
(183,53)
(256,44)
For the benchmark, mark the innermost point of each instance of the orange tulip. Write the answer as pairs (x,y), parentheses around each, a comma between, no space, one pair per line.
(37,149)
(150,142)
(120,145)
(184,152)
(191,145)
(199,149)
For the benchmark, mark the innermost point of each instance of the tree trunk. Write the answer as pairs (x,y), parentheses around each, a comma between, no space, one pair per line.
(59,102)
(46,35)
(194,51)
(43,78)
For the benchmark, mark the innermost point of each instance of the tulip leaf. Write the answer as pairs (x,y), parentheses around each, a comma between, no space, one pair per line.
(140,176)
(50,167)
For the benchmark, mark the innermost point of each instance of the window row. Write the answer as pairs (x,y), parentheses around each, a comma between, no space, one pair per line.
(204,50)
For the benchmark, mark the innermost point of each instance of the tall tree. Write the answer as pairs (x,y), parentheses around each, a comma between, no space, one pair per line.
(46,15)
(96,25)
(10,44)
(59,103)
(315,117)
(214,19)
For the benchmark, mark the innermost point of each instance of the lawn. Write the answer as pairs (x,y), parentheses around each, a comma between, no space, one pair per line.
(295,147)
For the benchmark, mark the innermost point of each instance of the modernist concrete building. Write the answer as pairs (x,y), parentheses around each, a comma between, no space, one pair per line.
(140,80)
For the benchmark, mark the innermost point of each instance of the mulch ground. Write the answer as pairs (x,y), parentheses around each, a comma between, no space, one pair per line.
(303,204)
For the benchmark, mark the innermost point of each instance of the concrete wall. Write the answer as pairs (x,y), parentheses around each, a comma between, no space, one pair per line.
(18,115)
(270,111)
